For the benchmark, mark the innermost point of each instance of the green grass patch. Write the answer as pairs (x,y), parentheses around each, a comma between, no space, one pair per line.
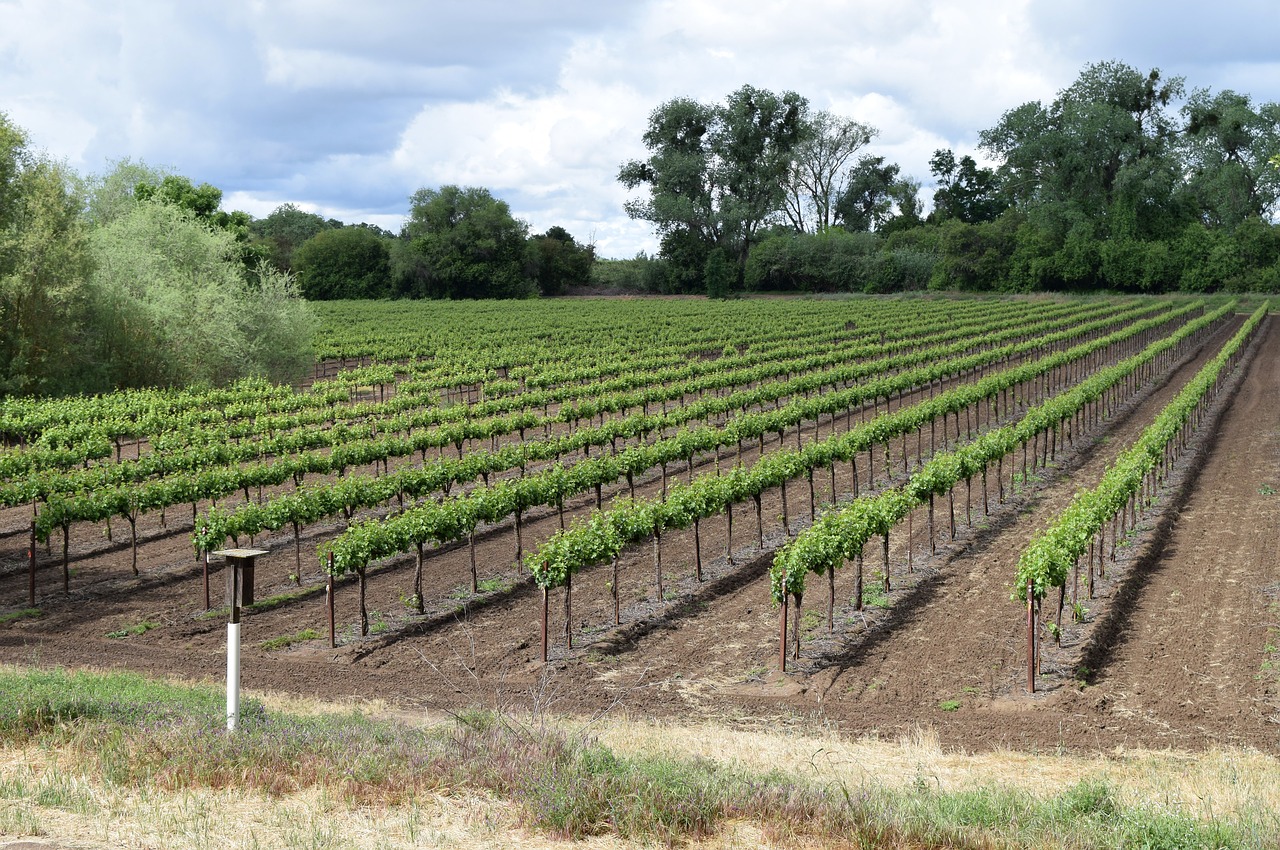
(286,641)
(493,585)
(873,595)
(14,616)
(134,630)
(132,732)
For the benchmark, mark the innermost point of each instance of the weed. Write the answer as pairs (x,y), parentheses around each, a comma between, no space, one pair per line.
(284,598)
(14,616)
(1266,490)
(1078,612)
(163,739)
(136,629)
(267,604)
(493,585)
(873,596)
(19,820)
(285,641)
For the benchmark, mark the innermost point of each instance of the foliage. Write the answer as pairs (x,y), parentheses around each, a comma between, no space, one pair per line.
(875,196)
(287,228)
(837,261)
(719,275)
(641,273)
(716,172)
(44,260)
(343,263)
(461,243)
(173,306)
(556,261)
(965,191)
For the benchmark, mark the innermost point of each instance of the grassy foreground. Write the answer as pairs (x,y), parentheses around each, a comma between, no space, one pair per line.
(103,760)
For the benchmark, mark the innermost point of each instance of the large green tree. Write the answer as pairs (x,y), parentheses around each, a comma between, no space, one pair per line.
(347,262)
(1228,145)
(966,191)
(557,261)
(461,243)
(1104,148)
(876,195)
(715,174)
(44,261)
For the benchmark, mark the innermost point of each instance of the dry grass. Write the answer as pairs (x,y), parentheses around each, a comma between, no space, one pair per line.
(63,809)
(1214,783)
(44,793)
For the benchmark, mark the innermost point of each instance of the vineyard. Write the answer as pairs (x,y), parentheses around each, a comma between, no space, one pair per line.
(1019,520)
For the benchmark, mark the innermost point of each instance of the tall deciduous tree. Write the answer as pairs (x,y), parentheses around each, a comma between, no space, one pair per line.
(1228,146)
(875,194)
(715,173)
(965,191)
(1104,148)
(462,243)
(818,170)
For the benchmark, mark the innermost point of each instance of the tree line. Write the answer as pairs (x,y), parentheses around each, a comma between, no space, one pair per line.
(458,242)
(1125,181)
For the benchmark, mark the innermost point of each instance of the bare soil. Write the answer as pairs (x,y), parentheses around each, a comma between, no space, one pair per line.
(1178,643)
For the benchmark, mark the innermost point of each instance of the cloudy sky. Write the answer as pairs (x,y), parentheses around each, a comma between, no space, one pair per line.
(346,108)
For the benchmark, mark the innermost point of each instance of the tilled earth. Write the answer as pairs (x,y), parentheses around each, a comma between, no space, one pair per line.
(1177,648)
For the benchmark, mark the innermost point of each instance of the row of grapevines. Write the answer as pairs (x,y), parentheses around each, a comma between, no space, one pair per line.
(840,535)
(249,519)
(1048,559)
(349,447)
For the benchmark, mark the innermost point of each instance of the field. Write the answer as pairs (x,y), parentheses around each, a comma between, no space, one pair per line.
(459,469)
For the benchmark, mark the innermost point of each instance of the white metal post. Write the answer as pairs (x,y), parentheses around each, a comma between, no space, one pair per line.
(233,676)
